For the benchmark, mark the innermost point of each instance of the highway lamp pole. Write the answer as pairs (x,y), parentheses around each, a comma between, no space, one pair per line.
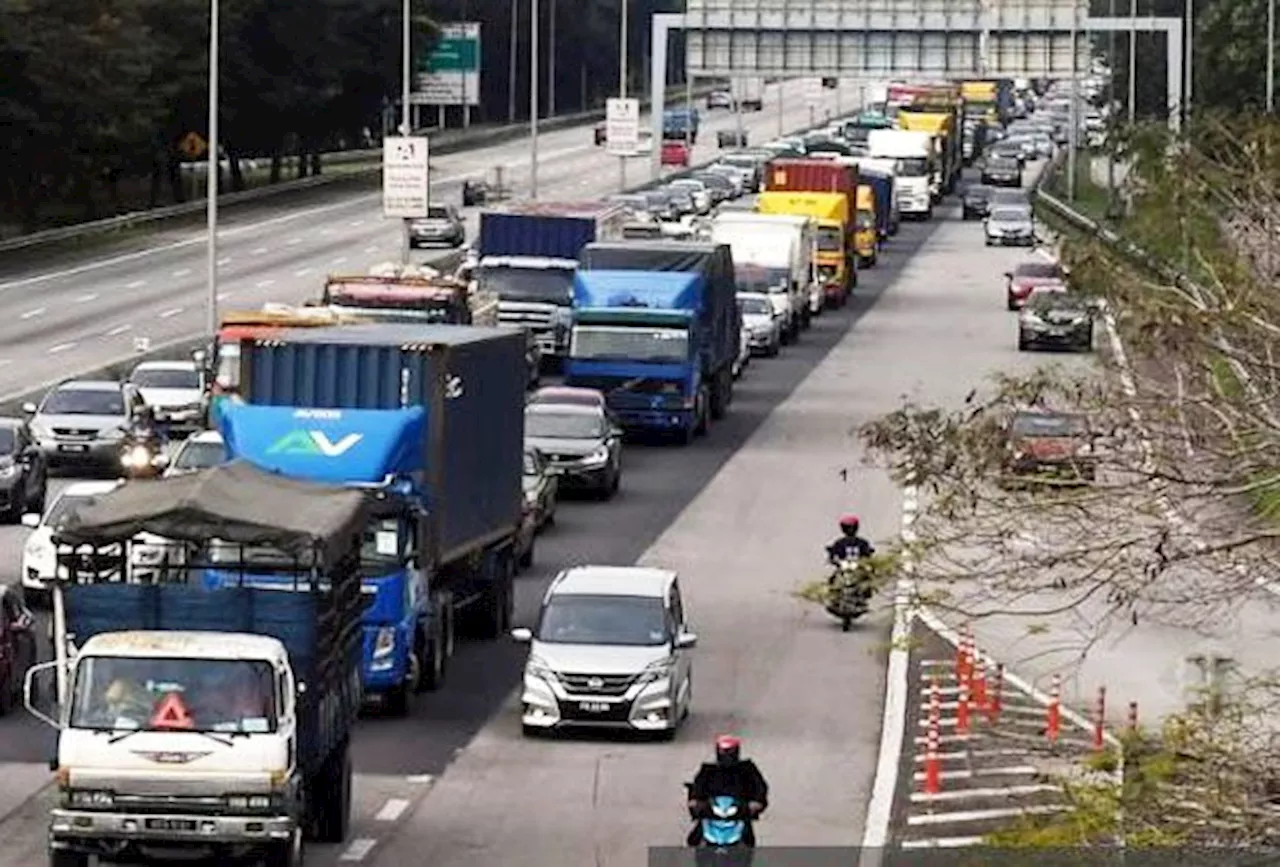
(211,205)
(511,63)
(622,87)
(781,105)
(1111,107)
(1189,39)
(406,126)
(551,64)
(1271,56)
(1133,61)
(533,99)
(1073,115)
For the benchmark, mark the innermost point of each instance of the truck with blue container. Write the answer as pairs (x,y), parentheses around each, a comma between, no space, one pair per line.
(881,184)
(199,712)
(656,328)
(527,255)
(430,419)
(679,124)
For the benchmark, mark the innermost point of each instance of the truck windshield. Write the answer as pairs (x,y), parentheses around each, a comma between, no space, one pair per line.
(913,167)
(163,694)
(630,343)
(754,278)
(546,285)
(629,621)
(829,239)
(866,220)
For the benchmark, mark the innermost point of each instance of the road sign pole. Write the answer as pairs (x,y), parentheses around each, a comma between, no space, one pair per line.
(406,70)
(212,180)
(533,99)
(405,183)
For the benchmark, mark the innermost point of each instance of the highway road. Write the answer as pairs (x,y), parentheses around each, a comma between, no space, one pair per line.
(80,313)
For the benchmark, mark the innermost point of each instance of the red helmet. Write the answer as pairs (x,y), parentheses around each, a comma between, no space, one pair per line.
(849,523)
(728,748)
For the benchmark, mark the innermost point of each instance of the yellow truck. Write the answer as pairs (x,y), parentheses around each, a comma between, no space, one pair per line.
(866,237)
(835,260)
(946,153)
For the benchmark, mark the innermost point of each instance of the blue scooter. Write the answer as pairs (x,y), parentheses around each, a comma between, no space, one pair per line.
(722,830)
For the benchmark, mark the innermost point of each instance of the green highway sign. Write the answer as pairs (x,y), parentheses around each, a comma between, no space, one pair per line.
(453,52)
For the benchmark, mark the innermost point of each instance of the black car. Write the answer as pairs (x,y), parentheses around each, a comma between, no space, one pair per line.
(976,202)
(442,225)
(18,647)
(721,187)
(582,443)
(1057,319)
(24,473)
(998,171)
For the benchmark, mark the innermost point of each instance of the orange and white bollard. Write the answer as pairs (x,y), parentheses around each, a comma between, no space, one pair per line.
(993,704)
(1133,717)
(1100,719)
(962,659)
(962,710)
(932,763)
(1054,721)
(935,703)
(980,687)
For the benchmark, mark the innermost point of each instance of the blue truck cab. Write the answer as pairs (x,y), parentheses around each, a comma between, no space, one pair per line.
(376,449)
(680,123)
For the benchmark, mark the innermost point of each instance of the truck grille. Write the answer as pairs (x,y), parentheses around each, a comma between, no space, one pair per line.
(611,386)
(614,685)
(522,315)
(208,805)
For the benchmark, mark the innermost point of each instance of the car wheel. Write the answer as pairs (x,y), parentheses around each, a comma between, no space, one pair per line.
(1023,343)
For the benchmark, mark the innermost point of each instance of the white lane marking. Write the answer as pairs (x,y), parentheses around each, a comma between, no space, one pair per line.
(31,314)
(258,251)
(326,231)
(393,809)
(182,272)
(302,272)
(171,312)
(339,260)
(223,296)
(370,249)
(893,728)
(356,223)
(136,284)
(86,298)
(967,774)
(943,843)
(226,260)
(61,347)
(119,329)
(358,850)
(293,241)
(419,779)
(263,284)
(981,815)
(992,792)
(4,361)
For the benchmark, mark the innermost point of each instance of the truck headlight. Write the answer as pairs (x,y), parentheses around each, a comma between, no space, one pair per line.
(93,800)
(137,456)
(385,643)
(536,667)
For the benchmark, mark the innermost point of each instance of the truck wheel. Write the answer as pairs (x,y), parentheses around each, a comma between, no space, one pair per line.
(333,804)
(398,698)
(494,607)
(718,398)
(703,421)
(433,663)
(291,853)
(63,858)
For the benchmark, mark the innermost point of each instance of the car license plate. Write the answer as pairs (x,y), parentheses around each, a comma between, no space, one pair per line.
(171,824)
(73,447)
(594,706)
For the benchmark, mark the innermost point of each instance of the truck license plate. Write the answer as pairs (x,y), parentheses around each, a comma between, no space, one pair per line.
(73,447)
(594,706)
(171,824)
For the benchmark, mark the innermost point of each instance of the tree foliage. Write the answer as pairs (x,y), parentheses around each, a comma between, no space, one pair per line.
(98,94)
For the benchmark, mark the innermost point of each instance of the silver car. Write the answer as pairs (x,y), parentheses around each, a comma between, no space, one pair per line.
(174,389)
(84,422)
(760,322)
(1009,225)
(611,649)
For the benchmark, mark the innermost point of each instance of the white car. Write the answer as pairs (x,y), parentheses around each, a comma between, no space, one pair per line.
(39,554)
(760,323)
(173,389)
(612,649)
(197,452)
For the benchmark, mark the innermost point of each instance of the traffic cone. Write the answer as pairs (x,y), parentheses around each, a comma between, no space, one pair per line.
(935,702)
(980,687)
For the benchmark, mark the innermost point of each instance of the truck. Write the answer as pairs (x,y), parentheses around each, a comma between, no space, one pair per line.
(939,110)
(527,254)
(881,177)
(913,159)
(409,298)
(431,419)
(835,260)
(774,254)
(748,92)
(866,227)
(838,175)
(857,129)
(680,124)
(656,328)
(200,713)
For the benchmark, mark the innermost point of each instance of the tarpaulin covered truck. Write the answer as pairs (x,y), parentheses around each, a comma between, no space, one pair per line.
(201,714)
(431,419)
(938,109)
(657,329)
(835,176)
(527,255)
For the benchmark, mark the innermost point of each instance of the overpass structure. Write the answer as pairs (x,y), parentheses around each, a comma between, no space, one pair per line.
(879,40)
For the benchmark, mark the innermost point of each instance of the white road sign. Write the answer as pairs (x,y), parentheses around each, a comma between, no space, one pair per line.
(813,90)
(622,126)
(405,177)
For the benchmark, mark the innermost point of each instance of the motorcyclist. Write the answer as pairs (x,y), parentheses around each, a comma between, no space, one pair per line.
(146,428)
(850,546)
(732,775)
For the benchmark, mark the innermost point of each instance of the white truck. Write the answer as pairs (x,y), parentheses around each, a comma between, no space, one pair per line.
(773,253)
(912,155)
(748,92)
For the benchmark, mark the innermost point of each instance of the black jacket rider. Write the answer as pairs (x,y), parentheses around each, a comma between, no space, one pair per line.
(849,547)
(741,780)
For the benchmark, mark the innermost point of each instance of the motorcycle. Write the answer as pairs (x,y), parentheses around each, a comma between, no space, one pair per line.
(850,594)
(140,456)
(721,836)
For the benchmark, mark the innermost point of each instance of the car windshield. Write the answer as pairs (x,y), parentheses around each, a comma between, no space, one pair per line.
(1010,215)
(199,455)
(1003,164)
(631,343)
(563,425)
(550,285)
(76,401)
(755,306)
(159,377)
(912,167)
(8,441)
(1049,425)
(438,212)
(182,695)
(977,193)
(628,621)
(1039,270)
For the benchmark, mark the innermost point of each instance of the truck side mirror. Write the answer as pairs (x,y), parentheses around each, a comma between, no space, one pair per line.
(30,692)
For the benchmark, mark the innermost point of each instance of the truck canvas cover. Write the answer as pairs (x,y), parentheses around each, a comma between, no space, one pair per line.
(714,261)
(235,502)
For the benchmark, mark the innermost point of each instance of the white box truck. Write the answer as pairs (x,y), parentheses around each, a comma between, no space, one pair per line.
(773,253)
(912,155)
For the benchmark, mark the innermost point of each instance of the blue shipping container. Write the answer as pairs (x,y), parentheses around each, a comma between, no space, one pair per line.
(882,187)
(552,231)
(469,380)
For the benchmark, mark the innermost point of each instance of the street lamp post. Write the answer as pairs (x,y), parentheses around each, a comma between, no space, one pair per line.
(1271,56)
(406,124)
(622,85)
(533,99)
(211,206)
(1133,61)
(551,64)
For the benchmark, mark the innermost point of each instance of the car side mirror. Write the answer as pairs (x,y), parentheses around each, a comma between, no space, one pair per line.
(29,408)
(31,520)
(522,635)
(686,641)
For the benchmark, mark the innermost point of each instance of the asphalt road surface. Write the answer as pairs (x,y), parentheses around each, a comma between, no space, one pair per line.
(82,312)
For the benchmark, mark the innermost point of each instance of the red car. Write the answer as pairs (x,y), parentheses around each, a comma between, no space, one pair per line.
(674,153)
(1029,275)
(17,648)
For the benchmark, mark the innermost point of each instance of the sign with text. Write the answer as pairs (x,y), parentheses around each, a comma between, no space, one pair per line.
(405,177)
(622,126)
(450,73)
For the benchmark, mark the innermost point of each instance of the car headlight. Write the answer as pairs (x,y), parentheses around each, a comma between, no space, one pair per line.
(656,671)
(113,434)
(40,431)
(598,457)
(38,549)
(89,799)
(8,470)
(385,643)
(537,667)
(137,456)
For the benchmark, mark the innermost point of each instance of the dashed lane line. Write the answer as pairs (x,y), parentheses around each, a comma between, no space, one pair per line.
(87,297)
(136,284)
(358,850)
(225,260)
(258,251)
(392,810)
(263,284)
(171,312)
(61,347)
(31,314)
(118,330)
(182,272)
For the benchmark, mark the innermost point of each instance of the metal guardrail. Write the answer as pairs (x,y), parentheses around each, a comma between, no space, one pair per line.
(464,140)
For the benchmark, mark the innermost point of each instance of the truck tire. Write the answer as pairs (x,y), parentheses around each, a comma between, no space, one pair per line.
(332,798)
(398,699)
(703,421)
(63,858)
(288,854)
(434,661)
(493,610)
(719,398)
